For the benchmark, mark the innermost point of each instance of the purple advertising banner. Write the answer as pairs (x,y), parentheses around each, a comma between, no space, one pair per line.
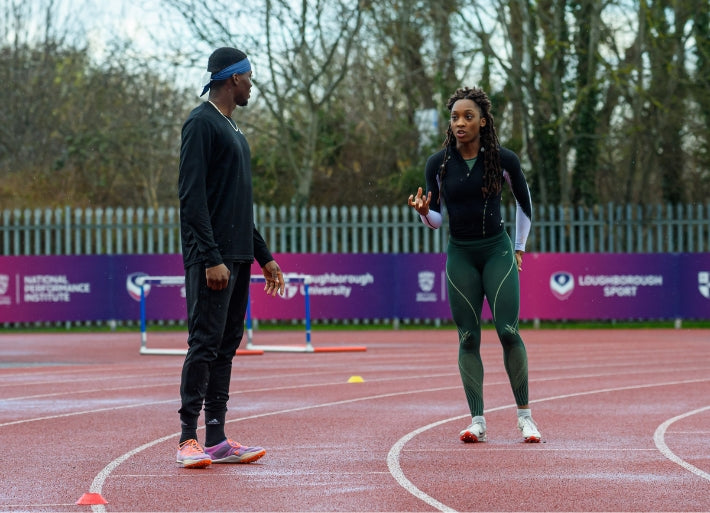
(56,288)
(694,286)
(166,302)
(600,286)
(419,292)
(361,286)
(342,286)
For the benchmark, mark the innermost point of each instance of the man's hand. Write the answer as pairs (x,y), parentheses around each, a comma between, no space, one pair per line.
(274,279)
(217,277)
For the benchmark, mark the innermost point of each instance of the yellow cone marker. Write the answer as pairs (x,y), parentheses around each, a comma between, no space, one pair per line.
(355,379)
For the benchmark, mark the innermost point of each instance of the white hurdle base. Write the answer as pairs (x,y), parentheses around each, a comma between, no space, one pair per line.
(183,352)
(306,349)
(283,349)
(168,352)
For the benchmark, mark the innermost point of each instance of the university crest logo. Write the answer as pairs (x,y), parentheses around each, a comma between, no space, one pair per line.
(426,280)
(562,285)
(704,283)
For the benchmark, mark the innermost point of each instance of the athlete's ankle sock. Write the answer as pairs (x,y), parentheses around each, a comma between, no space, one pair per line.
(188,429)
(479,418)
(524,412)
(214,430)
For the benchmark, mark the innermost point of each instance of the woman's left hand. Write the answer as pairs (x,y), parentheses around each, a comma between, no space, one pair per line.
(420,203)
(519,259)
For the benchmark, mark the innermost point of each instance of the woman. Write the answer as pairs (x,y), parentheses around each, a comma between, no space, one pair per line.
(467,175)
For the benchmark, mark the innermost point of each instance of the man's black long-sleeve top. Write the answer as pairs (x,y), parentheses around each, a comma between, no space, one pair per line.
(215,191)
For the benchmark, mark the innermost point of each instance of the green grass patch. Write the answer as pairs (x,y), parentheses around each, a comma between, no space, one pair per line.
(298,325)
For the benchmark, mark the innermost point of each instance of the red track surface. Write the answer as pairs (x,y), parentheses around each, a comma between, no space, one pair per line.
(625,418)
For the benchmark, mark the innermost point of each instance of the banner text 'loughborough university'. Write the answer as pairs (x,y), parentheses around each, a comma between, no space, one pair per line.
(554,286)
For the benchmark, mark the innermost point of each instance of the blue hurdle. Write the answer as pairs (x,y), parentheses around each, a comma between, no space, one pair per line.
(308,347)
(142,281)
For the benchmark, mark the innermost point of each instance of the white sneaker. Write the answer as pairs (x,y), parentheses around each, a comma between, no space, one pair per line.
(476,432)
(528,428)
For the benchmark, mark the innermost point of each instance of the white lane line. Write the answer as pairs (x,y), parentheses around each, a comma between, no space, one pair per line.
(84,412)
(398,474)
(394,453)
(73,393)
(269,389)
(123,377)
(659,440)
(100,479)
(174,400)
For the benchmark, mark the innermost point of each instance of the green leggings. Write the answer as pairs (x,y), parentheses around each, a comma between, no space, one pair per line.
(474,269)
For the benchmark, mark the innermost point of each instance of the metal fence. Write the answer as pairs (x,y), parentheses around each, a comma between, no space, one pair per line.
(602,229)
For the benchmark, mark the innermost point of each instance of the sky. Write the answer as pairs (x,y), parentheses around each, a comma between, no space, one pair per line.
(151,29)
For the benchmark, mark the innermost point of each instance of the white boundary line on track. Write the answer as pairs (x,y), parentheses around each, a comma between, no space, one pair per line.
(100,479)
(392,457)
(396,450)
(659,440)
(175,400)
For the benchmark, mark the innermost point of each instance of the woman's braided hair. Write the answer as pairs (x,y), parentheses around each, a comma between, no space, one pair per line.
(492,173)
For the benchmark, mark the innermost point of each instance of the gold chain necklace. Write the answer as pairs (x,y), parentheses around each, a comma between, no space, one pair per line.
(231,122)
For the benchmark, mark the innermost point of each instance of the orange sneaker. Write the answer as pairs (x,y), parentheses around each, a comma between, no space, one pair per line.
(191,455)
(230,451)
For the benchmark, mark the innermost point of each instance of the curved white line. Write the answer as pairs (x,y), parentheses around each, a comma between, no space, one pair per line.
(395,451)
(392,457)
(398,474)
(98,483)
(659,440)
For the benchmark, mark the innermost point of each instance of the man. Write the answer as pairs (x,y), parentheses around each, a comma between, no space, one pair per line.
(219,244)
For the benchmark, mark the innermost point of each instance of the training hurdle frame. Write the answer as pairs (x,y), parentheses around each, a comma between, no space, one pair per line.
(141,282)
(251,348)
(308,346)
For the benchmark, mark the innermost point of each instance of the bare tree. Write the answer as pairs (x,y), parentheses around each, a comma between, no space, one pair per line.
(585,140)
(667,36)
(605,100)
(303,52)
(30,53)
(74,131)
(33,32)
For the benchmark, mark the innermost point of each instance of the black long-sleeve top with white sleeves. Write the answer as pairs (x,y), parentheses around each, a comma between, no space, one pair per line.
(215,191)
(472,216)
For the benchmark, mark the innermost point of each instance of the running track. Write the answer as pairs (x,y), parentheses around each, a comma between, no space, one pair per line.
(625,418)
